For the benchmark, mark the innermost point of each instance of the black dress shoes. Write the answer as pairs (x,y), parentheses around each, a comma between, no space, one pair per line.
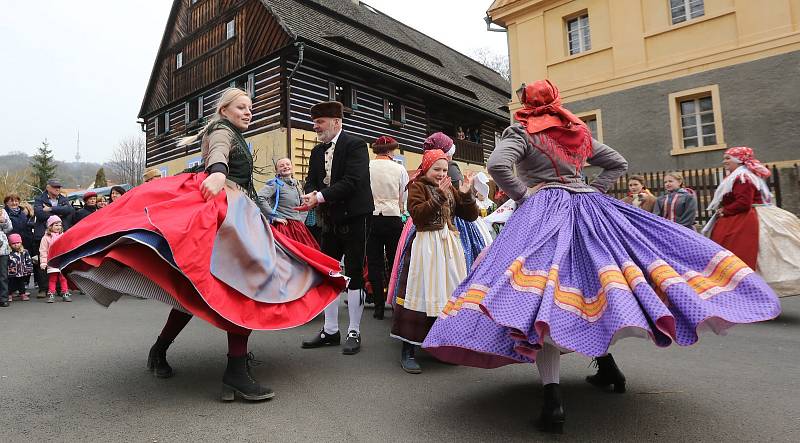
(323,339)
(353,343)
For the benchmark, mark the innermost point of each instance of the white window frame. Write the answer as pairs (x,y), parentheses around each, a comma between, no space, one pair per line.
(582,32)
(676,122)
(230,29)
(695,120)
(597,116)
(160,130)
(179,60)
(686,7)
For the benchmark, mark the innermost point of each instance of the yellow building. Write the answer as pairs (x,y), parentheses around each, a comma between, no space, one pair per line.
(669,83)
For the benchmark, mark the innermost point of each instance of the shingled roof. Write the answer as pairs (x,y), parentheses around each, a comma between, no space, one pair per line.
(362,33)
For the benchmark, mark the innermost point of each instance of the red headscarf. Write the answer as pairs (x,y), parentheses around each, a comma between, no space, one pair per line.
(563,134)
(428,159)
(745,156)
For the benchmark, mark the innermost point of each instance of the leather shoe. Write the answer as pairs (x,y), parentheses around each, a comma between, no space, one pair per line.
(353,343)
(323,339)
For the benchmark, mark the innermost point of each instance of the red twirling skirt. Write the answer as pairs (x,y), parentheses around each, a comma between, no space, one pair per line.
(297,231)
(739,234)
(215,259)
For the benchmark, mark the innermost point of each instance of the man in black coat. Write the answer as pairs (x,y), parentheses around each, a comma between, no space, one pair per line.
(338,182)
(51,202)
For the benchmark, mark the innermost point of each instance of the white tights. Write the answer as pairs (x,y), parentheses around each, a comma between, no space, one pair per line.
(548,362)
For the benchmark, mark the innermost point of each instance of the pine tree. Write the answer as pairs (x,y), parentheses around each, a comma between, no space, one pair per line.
(43,167)
(100,179)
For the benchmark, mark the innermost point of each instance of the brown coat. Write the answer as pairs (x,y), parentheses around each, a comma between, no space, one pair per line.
(430,207)
(646,203)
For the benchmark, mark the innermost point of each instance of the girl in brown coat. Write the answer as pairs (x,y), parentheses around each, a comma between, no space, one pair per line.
(638,194)
(436,264)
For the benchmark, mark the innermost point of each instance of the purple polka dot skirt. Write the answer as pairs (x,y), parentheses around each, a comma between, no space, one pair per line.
(585,270)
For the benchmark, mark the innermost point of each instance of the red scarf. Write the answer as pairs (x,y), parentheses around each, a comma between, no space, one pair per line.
(563,135)
(428,159)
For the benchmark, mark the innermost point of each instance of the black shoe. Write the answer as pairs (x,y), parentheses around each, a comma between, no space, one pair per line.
(157,359)
(552,417)
(237,380)
(323,339)
(608,374)
(352,344)
(378,313)
(3,304)
(408,359)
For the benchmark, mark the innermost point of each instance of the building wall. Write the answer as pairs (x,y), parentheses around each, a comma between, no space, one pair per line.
(759,108)
(634,42)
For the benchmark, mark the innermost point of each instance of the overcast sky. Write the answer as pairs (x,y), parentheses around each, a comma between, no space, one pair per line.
(84,65)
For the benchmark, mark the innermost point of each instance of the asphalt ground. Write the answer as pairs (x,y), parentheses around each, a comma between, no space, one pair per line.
(76,372)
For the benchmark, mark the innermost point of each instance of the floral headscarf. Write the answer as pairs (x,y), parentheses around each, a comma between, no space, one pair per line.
(744,155)
(439,140)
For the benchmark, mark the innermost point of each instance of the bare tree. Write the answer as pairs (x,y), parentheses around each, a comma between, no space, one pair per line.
(16,182)
(493,60)
(127,162)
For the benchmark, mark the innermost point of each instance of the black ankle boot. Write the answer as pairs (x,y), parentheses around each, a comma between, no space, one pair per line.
(157,359)
(552,417)
(238,381)
(408,360)
(378,313)
(608,374)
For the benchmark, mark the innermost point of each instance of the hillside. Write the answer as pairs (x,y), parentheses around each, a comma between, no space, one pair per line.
(72,174)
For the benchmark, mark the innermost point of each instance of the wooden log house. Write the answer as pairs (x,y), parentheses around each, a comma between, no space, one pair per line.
(291,54)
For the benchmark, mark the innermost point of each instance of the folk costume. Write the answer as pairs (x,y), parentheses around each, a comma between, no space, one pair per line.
(436,264)
(339,171)
(278,199)
(764,236)
(216,259)
(576,270)
(388,181)
(679,206)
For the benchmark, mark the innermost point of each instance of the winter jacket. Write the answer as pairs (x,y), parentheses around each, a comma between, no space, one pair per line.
(20,264)
(62,209)
(23,225)
(83,213)
(5,228)
(432,208)
(44,249)
(679,206)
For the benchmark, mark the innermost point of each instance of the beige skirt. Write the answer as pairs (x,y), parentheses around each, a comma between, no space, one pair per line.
(437,266)
(779,249)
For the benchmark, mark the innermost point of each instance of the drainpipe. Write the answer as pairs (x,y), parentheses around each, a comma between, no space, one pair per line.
(300,51)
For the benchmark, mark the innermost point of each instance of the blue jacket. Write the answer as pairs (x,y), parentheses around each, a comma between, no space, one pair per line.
(22,224)
(62,209)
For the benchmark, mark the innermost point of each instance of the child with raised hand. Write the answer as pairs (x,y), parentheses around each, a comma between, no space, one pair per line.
(20,268)
(678,203)
(54,230)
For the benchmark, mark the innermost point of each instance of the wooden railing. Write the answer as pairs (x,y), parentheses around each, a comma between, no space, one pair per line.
(470,152)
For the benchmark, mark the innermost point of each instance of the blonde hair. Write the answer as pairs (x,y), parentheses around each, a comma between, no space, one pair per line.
(228,96)
(676,175)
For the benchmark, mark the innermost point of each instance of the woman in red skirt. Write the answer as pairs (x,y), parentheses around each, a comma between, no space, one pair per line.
(199,243)
(278,200)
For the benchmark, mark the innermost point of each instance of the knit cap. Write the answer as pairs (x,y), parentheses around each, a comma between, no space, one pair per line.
(53,219)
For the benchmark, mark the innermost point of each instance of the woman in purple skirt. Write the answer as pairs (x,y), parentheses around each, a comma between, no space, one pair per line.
(576,270)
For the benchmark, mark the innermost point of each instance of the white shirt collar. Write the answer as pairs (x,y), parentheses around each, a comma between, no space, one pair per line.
(336,139)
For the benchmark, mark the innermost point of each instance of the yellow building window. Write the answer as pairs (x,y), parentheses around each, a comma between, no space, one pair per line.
(578,39)
(696,119)
(682,10)
(594,121)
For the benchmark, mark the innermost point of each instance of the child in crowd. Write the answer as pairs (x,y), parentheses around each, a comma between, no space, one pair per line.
(678,203)
(5,227)
(20,268)
(436,264)
(54,230)
(639,195)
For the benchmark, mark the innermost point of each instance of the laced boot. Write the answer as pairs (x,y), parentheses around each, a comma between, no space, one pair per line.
(552,417)
(237,380)
(608,374)
(157,359)
(408,359)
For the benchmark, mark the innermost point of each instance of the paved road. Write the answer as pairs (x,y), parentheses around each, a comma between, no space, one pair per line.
(75,372)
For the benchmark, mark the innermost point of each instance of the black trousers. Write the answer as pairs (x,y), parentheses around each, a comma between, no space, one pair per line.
(349,240)
(381,247)
(3,278)
(39,276)
(17,284)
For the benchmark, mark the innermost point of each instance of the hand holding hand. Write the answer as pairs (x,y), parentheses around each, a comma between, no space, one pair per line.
(212,185)
(282,221)
(309,202)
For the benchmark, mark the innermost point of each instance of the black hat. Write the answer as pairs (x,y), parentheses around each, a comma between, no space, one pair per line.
(54,182)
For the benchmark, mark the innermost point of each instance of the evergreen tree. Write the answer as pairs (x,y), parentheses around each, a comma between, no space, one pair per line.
(43,167)
(100,179)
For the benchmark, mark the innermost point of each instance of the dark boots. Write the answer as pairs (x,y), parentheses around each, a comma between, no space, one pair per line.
(238,381)
(608,374)
(408,360)
(379,307)
(157,359)
(552,417)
